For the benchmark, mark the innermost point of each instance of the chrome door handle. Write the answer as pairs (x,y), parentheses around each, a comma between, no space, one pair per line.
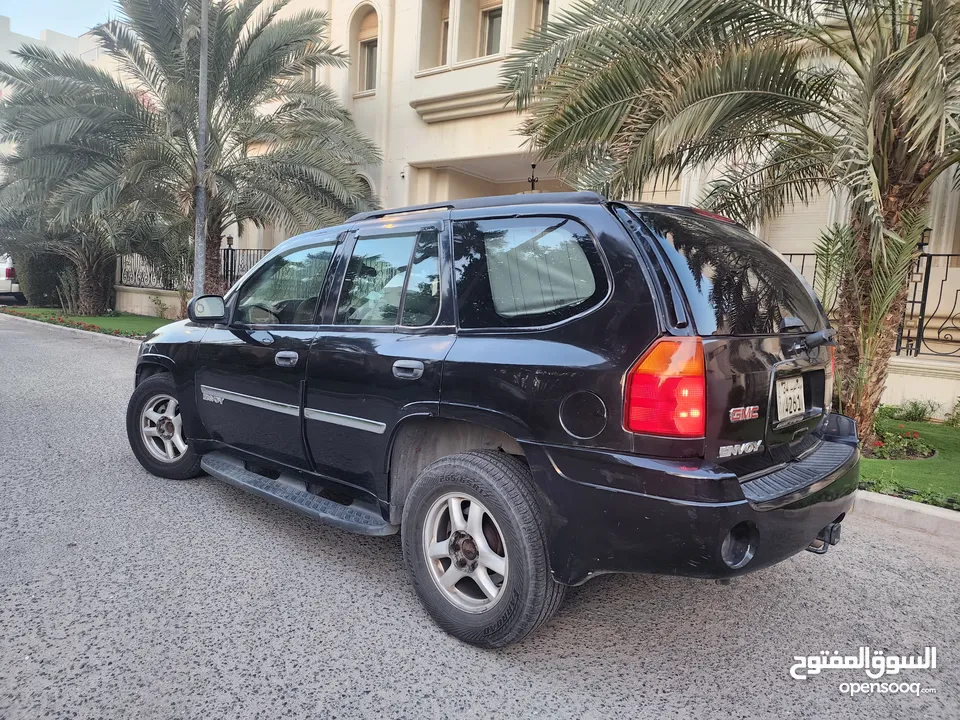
(408,369)
(286,358)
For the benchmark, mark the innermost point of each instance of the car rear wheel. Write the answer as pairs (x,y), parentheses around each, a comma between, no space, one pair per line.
(473,542)
(155,430)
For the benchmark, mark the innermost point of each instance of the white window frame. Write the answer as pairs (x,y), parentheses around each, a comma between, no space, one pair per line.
(483,30)
(444,42)
(363,55)
(539,19)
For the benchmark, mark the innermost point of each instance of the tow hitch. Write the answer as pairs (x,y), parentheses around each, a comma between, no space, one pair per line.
(830,535)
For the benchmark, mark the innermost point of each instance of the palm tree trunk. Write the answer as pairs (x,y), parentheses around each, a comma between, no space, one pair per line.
(93,298)
(863,355)
(863,382)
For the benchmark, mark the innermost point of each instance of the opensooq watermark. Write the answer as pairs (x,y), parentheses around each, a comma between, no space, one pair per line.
(875,664)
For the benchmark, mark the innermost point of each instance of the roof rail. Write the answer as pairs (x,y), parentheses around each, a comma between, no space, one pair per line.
(581,198)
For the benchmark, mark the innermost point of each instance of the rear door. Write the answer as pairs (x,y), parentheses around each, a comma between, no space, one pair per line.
(251,371)
(767,390)
(378,357)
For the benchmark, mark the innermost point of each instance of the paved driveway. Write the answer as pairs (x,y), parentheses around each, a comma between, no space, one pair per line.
(123,595)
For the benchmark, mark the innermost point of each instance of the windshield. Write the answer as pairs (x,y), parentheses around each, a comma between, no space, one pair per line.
(734,284)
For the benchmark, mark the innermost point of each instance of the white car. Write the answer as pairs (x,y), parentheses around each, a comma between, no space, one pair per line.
(9,287)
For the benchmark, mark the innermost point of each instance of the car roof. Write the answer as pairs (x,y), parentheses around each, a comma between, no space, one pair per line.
(497,201)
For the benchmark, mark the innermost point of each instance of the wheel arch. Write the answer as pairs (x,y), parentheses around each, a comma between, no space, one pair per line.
(420,440)
(151,364)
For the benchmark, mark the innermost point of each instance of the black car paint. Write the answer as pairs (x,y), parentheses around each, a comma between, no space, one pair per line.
(613,501)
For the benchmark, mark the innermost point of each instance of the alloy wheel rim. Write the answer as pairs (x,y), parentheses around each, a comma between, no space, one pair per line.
(161,428)
(465,552)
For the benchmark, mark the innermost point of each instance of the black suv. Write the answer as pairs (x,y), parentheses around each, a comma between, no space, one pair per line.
(536,389)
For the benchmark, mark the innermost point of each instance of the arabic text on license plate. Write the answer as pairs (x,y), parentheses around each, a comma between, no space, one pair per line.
(790,398)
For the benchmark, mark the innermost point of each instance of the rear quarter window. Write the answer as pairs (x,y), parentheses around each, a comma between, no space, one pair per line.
(735,284)
(525,272)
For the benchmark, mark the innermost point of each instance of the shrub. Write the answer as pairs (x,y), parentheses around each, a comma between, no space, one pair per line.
(901,445)
(886,412)
(39,276)
(68,290)
(953,419)
(888,486)
(917,410)
(910,411)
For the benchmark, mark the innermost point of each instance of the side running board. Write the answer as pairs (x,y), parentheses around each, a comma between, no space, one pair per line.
(356,517)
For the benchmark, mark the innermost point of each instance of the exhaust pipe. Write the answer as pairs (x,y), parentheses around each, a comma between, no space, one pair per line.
(830,535)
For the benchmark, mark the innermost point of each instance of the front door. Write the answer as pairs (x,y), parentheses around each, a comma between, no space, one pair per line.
(251,371)
(380,357)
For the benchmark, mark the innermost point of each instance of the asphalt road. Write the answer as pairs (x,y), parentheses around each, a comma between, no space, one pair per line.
(123,595)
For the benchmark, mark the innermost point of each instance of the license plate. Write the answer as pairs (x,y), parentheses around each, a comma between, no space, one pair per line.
(790,398)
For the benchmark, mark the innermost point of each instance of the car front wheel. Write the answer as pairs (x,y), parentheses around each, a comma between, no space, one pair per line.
(155,430)
(473,542)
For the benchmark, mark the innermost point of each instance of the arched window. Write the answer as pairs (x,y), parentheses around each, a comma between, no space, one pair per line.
(366,186)
(366,52)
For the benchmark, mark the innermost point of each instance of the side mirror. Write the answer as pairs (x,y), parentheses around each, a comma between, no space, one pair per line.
(206,309)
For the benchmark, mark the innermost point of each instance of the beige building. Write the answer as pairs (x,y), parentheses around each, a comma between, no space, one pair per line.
(10,41)
(423,84)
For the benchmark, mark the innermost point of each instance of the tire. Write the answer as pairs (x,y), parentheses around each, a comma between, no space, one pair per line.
(499,485)
(183,463)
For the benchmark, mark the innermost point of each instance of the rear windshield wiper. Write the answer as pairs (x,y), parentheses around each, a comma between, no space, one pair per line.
(821,337)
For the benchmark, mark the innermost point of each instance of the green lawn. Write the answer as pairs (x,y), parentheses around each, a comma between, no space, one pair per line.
(938,474)
(136,324)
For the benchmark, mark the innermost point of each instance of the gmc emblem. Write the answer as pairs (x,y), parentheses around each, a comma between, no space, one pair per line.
(751,412)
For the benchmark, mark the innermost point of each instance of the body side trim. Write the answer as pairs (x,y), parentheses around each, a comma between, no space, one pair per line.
(207,390)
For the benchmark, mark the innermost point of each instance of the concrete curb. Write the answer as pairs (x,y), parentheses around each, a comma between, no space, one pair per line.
(75,331)
(926,518)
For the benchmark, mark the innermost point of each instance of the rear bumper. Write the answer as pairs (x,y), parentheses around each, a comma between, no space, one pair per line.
(612,512)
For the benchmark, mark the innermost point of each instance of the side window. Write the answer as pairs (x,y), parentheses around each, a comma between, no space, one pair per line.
(516,272)
(373,284)
(421,303)
(286,289)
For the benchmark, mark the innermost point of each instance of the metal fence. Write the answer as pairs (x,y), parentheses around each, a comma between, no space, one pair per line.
(138,271)
(931,318)
(235,263)
(930,325)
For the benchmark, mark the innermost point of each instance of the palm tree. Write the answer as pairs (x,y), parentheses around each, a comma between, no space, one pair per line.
(281,150)
(90,244)
(786,99)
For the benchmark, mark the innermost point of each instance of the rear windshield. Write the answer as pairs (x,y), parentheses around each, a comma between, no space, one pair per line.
(735,284)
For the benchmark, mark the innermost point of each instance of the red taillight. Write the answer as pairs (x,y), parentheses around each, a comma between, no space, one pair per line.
(10,273)
(666,390)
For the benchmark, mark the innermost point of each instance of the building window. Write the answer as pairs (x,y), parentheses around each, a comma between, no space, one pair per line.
(365,53)
(491,20)
(542,10)
(368,65)
(435,39)
(444,41)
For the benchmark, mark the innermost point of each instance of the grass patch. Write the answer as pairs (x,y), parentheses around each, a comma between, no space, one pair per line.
(124,324)
(934,479)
